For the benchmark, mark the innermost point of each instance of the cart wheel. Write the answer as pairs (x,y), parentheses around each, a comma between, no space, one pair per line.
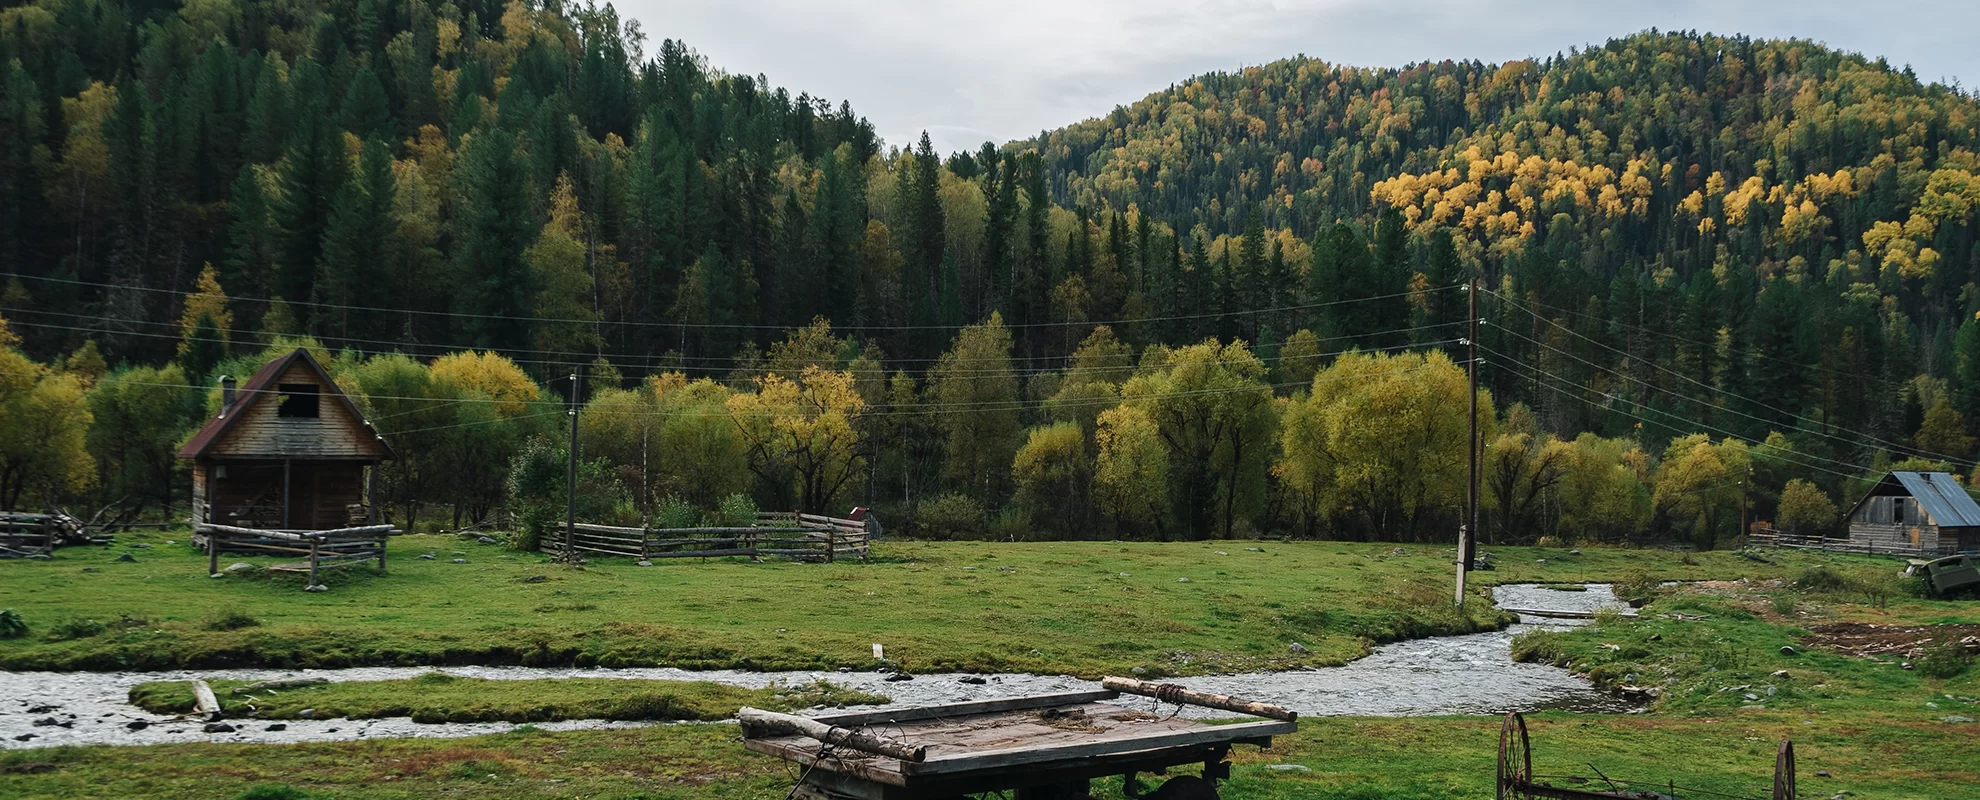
(1185,787)
(1515,758)
(1784,772)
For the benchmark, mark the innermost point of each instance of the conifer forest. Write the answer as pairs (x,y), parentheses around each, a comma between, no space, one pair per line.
(1720,281)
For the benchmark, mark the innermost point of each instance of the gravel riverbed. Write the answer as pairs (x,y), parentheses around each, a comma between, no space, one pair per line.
(1471,674)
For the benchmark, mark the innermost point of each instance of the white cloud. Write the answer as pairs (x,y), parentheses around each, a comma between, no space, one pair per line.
(975,70)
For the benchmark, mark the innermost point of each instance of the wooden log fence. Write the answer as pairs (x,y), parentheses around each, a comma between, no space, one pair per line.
(801,536)
(320,549)
(1790,541)
(26,534)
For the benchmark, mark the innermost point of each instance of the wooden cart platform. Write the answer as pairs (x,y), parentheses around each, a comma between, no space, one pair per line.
(1041,746)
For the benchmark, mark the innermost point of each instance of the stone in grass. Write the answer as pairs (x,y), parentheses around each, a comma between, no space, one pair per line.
(645,563)
(241,566)
(1298,649)
(460,561)
(1788,650)
(307,713)
(1255,549)
(428,556)
(1287,768)
(127,557)
(1182,580)
(1956,719)
(484,540)
(218,727)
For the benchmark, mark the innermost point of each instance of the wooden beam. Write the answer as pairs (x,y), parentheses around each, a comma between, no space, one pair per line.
(1016,756)
(1171,693)
(757,721)
(967,708)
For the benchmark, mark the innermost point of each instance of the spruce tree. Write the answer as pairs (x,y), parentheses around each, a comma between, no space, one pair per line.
(312,173)
(492,228)
(366,112)
(356,268)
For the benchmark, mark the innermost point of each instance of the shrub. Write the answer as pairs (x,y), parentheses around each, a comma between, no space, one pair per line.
(230,621)
(1945,658)
(676,512)
(75,628)
(1823,579)
(737,511)
(1636,584)
(12,625)
(1784,603)
(950,516)
(538,478)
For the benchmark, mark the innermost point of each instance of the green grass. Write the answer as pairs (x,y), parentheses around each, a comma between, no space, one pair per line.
(1435,758)
(440,697)
(1082,608)
(1733,660)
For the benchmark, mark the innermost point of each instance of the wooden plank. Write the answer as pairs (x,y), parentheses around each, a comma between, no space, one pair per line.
(758,720)
(970,707)
(586,526)
(877,770)
(736,551)
(1100,746)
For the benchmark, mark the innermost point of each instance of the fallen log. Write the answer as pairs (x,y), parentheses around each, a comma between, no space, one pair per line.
(1172,693)
(204,703)
(758,720)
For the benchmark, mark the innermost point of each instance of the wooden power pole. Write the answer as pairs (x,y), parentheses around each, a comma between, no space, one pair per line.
(570,485)
(1468,533)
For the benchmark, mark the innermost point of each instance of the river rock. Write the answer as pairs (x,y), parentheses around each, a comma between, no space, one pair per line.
(898,677)
(138,724)
(218,727)
(974,680)
(276,727)
(24,737)
(307,713)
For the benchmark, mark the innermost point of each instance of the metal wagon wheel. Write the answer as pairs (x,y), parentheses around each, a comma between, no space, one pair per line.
(1784,772)
(1515,758)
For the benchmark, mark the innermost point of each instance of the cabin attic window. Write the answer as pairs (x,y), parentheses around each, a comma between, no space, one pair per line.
(1897,510)
(298,401)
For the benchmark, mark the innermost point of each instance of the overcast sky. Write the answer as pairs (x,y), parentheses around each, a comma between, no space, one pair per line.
(968,71)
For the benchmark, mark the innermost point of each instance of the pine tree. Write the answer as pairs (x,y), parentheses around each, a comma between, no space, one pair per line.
(491,230)
(366,112)
(312,173)
(270,113)
(356,270)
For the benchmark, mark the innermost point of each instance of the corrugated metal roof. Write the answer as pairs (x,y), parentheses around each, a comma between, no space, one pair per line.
(1943,498)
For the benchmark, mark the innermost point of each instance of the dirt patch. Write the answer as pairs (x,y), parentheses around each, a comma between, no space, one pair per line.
(1864,639)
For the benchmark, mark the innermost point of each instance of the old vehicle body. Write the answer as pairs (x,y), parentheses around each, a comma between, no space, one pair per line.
(1947,575)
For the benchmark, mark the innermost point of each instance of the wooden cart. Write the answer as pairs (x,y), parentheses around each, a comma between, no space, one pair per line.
(1041,747)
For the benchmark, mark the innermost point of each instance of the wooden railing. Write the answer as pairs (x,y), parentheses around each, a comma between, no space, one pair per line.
(331,548)
(802,536)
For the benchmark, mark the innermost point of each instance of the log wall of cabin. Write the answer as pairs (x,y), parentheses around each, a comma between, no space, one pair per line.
(319,494)
(262,432)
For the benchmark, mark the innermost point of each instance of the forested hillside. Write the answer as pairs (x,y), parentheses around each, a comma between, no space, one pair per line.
(1714,270)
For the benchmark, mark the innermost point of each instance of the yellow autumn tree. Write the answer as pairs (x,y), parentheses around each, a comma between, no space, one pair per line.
(800,434)
(44,425)
(565,291)
(491,377)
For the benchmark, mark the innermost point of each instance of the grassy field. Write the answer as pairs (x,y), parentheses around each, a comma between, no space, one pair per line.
(1867,755)
(1082,608)
(440,697)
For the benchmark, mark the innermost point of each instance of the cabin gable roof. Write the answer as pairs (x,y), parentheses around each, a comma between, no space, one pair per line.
(251,428)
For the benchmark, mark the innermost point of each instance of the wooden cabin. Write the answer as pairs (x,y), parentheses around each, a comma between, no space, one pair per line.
(288,451)
(1924,513)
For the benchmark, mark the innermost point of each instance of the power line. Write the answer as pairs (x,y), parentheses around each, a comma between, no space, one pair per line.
(745,326)
(566,358)
(1900,447)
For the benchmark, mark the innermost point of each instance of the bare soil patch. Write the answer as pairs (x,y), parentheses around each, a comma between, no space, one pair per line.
(1865,639)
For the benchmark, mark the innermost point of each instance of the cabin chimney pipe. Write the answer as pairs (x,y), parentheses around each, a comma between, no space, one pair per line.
(226,395)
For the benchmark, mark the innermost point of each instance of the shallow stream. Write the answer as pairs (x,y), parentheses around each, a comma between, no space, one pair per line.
(1470,674)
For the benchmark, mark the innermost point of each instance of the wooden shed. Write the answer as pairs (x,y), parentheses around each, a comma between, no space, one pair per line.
(288,450)
(1928,513)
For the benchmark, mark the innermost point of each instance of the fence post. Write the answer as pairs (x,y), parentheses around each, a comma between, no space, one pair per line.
(313,542)
(212,552)
(645,537)
(382,538)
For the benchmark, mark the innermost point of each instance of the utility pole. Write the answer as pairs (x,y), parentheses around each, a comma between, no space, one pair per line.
(570,486)
(1468,533)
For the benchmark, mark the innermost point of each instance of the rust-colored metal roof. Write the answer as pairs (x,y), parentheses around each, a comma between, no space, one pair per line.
(263,384)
